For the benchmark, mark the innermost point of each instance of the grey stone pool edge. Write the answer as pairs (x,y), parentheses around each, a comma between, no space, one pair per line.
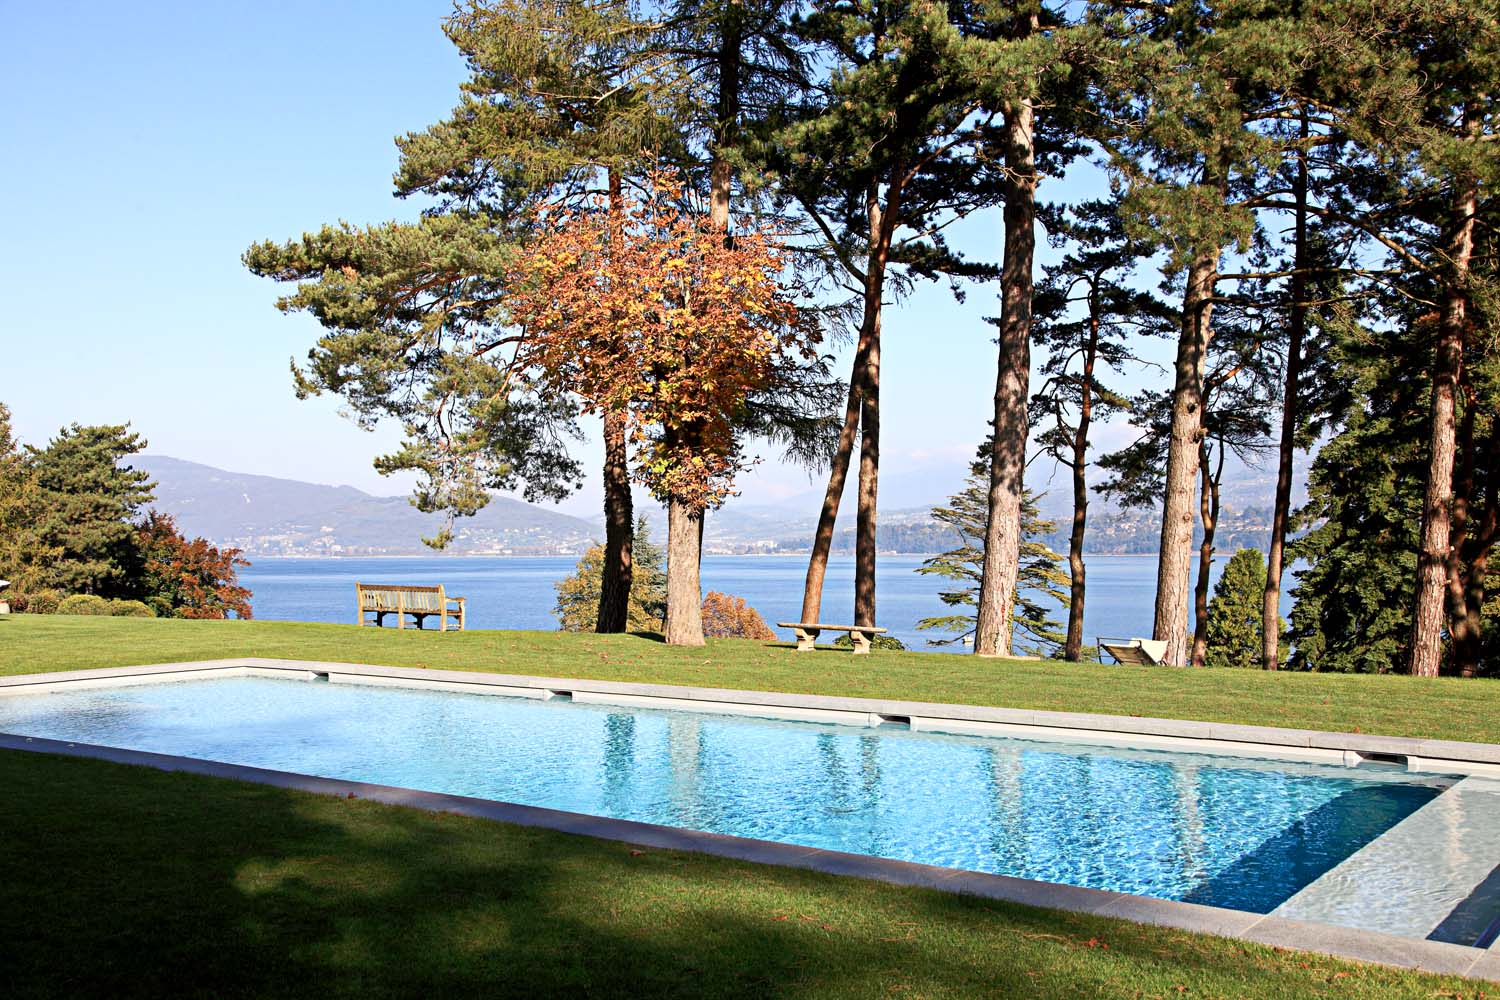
(1342,942)
(1446,756)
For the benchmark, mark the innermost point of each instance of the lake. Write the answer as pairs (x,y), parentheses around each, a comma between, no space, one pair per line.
(517,593)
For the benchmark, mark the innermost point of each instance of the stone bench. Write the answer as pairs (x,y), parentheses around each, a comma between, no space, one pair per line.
(807,634)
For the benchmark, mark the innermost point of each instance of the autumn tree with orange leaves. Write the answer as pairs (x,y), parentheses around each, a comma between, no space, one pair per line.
(647,313)
(188,578)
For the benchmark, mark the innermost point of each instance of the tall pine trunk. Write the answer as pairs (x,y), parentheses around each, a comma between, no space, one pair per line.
(619,517)
(1208,511)
(862,421)
(1073,647)
(684,588)
(727,116)
(838,475)
(1432,557)
(882,226)
(1270,609)
(1481,544)
(1463,621)
(865,525)
(1002,535)
(1174,561)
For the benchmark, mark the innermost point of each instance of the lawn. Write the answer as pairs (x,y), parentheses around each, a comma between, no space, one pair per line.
(1443,708)
(117,880)
(121,881)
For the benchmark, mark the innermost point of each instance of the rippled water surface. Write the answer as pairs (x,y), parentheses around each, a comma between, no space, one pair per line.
(1224,831)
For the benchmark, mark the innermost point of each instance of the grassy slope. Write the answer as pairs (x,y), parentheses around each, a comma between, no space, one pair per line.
(1446,708)
(119,881)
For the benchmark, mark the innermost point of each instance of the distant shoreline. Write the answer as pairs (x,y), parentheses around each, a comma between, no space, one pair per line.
(714,555)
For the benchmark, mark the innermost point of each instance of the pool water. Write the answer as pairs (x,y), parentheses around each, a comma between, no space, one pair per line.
(1224,831)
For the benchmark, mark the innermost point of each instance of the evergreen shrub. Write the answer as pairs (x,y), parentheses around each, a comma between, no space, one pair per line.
(84,604)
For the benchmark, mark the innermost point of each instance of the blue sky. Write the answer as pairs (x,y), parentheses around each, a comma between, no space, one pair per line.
(147,145)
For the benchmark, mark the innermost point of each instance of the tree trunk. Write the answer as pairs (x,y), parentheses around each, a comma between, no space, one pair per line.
(817,565)
(684,591)
(869,484)
(1432,557)
(1270,609)
(1208,511)
(1482,545)
(1174,561)
(619,517)
(1465,653)
(839,471)
(882,226)
(1002,535)
(726,118)
(1073,648)
(619,530)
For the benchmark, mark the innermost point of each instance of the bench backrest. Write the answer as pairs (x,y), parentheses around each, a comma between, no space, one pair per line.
(380,597)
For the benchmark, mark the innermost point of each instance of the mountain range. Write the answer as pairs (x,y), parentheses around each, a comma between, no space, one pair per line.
(267,516)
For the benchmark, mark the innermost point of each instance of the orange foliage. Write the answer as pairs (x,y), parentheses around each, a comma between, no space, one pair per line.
(726,617)
(643,310)
(193,578)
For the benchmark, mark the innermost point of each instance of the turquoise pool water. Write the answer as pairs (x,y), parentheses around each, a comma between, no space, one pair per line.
(1224,831)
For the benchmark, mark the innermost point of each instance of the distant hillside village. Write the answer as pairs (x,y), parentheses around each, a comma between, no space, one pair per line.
(269,517)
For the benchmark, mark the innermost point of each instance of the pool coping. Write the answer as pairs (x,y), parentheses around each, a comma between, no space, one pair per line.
(1265,929)
(1449,756)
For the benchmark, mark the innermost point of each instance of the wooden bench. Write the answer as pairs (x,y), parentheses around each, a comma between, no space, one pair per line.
(807,634)
(420,603)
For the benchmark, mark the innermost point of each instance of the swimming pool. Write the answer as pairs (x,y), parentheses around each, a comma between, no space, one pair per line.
(1235,832)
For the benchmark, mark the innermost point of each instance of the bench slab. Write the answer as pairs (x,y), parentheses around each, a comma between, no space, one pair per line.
(807,634)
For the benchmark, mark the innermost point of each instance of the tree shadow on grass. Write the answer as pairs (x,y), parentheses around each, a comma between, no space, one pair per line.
(120,881)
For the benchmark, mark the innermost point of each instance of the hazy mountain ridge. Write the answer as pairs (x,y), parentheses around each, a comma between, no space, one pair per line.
(268,516)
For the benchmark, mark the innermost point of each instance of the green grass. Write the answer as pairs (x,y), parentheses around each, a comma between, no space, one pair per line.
(1444,708)
(120,881)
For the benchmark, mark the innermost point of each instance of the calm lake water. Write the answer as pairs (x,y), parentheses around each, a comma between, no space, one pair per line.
(517,593)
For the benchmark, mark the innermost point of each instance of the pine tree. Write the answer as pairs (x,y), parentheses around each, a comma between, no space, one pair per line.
(1083,348)
(1030,65)
(875,158)
(1041,577)
(24,558)
(1193,108)
(557,101)
(1406,99)
(88,500)
(1238,389)
(1365,497)
(1233,620)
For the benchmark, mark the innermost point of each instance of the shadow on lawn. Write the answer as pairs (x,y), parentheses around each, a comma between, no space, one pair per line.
(124,881)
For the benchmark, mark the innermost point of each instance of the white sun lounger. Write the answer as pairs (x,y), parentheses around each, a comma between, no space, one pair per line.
(1145,652)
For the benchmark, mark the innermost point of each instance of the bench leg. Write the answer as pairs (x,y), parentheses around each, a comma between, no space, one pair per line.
(807,640)
(861,643)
